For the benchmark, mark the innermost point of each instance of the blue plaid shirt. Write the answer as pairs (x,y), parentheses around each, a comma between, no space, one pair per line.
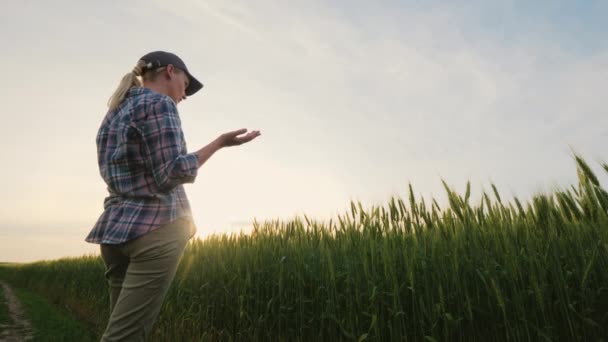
(143,160)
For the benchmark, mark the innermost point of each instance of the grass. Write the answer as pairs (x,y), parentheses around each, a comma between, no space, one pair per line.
(408,270)
(49,322)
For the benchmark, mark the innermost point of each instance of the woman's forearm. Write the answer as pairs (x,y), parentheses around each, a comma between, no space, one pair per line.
(206,152)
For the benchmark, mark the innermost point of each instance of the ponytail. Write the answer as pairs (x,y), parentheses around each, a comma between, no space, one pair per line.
(130,80)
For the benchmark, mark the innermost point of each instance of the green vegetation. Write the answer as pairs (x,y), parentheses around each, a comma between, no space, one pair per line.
(408,270)
(49,323)
(74,283)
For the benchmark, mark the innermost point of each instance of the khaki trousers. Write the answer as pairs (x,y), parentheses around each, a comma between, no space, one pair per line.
(139,274)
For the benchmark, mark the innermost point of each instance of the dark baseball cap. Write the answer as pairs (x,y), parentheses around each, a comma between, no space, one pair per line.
(157,59)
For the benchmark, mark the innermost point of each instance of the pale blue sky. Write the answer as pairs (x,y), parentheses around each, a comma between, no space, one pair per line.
(354,100)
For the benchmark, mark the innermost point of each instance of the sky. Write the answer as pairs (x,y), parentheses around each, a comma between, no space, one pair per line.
(355,100)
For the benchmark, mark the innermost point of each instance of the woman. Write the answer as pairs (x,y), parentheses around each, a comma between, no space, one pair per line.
(147,221)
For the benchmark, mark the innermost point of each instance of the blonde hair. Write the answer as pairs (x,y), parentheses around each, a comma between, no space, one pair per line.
(133,79)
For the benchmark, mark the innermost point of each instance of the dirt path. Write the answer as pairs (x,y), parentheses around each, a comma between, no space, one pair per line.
(20,329)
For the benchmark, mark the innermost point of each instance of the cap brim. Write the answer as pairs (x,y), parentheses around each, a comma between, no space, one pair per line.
(193,85)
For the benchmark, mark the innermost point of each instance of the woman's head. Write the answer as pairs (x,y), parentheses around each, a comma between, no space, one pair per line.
(160,71)
(168,80)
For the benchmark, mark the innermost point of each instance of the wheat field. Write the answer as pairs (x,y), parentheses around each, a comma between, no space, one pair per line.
(404,271)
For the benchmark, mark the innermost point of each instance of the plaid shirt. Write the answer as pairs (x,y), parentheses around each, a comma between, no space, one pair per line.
(143,160)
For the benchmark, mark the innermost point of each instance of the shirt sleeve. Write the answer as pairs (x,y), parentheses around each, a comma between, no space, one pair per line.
(165,147)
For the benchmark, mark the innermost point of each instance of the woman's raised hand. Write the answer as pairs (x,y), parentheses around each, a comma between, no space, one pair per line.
(227,139)
(234,138)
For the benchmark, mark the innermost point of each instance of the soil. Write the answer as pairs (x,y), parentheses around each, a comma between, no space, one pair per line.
(20,328)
